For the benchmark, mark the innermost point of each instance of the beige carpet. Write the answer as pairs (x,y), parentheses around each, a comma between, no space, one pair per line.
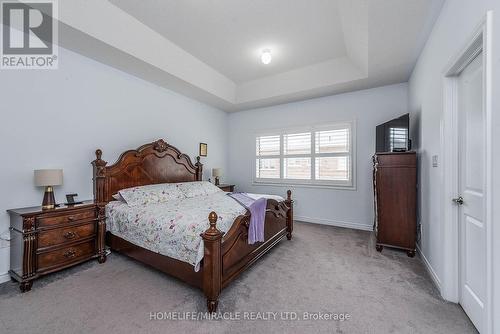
(323,269)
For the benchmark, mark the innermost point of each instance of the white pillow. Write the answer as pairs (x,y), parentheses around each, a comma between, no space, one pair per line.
(151,194)
(198,188)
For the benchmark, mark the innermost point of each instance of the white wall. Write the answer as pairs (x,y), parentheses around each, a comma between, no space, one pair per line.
(457,21)
(353,208)
(58,118)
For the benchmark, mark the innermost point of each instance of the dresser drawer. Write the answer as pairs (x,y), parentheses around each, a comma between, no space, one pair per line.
(65,234)
(66,255)
(83,214)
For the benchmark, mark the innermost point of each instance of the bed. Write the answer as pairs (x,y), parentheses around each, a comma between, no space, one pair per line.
(210,261)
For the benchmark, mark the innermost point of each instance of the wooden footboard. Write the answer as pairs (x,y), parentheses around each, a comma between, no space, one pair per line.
(227,255)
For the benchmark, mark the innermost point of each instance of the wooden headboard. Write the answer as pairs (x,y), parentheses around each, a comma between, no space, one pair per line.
(153,163)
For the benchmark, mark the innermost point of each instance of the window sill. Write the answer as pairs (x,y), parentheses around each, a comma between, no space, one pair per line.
(302,185)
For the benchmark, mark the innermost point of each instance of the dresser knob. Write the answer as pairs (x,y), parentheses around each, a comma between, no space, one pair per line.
(70,253)
(70,235)
(71,218)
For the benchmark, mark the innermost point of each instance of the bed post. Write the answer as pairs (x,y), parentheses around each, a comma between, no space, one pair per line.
(289,215)
(212,263)
(99,177)
(199,169)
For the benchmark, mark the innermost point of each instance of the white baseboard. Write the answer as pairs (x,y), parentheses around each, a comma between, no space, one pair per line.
(430,270)
(4,278)
(338,223)
(4,261)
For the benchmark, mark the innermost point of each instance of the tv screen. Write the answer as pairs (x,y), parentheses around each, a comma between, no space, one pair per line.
(393,136)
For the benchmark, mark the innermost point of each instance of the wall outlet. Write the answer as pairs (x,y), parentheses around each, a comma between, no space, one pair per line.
(434,161)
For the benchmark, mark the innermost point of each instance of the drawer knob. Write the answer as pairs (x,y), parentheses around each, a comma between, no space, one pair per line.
(70,235)
(71,218)
(70,253)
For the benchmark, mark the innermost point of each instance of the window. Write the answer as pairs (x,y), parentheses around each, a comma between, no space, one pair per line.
(321,155)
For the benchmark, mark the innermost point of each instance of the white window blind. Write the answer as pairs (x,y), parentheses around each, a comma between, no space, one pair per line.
(333,148)
(297,156)
(268,145)
(297,143)
(320,155)
(268,157)
(332,141)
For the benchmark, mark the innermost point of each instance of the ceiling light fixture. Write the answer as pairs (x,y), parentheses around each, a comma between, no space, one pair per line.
(266,56)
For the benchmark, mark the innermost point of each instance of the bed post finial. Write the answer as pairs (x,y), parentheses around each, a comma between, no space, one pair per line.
(212,218)
(212,263)
(99,176)
(98,164)
(289,215)
(199,169)
(212,233)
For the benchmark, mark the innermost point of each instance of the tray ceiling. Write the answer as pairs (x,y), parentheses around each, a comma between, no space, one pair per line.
(210,50)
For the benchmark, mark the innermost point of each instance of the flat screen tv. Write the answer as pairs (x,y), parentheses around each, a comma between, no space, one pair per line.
(393,136)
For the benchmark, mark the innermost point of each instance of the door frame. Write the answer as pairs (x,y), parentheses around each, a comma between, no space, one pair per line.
(480,41)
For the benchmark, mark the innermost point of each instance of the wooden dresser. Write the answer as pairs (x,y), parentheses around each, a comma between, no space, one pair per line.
(45,241)
(395,188)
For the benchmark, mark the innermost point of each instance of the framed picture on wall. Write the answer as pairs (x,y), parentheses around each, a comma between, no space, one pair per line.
(203,149)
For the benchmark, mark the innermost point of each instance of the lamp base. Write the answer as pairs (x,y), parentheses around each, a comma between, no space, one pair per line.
(49,201)
(217,181)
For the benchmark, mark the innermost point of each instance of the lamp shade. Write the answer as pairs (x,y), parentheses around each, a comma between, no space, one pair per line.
(48,177)
(216,172)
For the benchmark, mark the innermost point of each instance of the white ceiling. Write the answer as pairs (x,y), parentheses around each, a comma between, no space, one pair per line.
(210,49)
(229,35)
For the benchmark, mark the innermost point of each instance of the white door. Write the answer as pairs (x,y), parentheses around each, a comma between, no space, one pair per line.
(472,244)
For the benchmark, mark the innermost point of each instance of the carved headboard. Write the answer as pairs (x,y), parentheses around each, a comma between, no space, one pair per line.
(153,163)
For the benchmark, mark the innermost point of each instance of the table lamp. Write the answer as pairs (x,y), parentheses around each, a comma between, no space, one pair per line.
(216,172)
(48,178)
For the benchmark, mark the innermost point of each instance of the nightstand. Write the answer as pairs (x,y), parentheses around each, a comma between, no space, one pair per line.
(226,187)
(45,241)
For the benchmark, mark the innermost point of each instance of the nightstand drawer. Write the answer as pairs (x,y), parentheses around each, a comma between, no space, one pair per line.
(66,218)
(226,187)
(67,234)
(66,255)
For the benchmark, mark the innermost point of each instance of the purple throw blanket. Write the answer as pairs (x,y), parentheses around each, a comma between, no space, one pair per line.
(257,210)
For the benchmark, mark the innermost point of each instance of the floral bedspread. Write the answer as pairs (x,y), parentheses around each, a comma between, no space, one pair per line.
(173,228)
